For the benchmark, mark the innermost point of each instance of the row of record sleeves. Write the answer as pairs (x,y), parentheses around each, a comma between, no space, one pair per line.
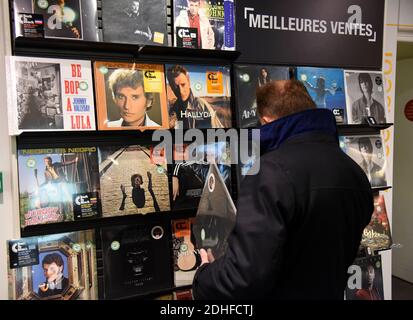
(55,94)
(142,259)
(196,24)
(63,184)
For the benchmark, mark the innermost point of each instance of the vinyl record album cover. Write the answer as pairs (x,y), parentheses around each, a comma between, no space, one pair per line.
(64,19)
(326,87)
(186,256)
(189,175)
(53,267)
(365,96)
(136,260)
(377,235)
(204,24)
(50,94)
(130,96)
(131,182)
(365,280)
(135,21)
(248,78)
(58,185)
(368,152)
(199,96)
(216,214)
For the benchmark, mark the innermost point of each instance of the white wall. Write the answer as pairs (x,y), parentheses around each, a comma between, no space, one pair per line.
(8,215)
(403,175)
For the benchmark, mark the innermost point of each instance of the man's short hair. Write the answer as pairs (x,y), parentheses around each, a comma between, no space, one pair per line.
(366,143)
(53,258)
(365,78)
(283,98)
(194,1)
(127,78)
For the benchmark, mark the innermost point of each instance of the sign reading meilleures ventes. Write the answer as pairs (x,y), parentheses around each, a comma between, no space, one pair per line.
(338,33)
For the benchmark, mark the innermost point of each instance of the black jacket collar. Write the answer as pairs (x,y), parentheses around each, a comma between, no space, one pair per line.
(275,133)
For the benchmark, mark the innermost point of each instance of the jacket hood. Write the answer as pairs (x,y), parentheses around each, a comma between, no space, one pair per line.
(275,133)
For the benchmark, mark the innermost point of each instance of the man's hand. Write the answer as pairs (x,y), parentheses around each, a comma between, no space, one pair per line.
(175,187)
(206,256)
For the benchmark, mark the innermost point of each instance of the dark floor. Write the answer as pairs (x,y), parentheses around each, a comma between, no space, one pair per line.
(402,290)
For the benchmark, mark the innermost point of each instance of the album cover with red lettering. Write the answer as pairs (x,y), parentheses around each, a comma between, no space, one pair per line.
(50,94)
(58,185)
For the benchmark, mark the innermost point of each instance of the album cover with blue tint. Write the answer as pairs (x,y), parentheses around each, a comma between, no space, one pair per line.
(326,87)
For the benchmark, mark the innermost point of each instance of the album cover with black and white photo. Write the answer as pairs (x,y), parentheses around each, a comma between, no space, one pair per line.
(368,152)
(365,96)
(365,280)
(53,267)
(50,94)
(135,22)
(64,19)
(136,259)
(248,78)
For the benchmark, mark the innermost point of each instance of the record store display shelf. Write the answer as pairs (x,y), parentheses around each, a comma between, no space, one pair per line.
(361,129)
(62,48)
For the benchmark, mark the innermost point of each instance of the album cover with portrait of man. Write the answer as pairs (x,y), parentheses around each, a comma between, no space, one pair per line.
(326,87)
(365,280)
(248,78)
(131,181)
(201,24)
(58,185)
(50,94)
(377,234)
(53,267)
(368,152)
(135,22)
(199,96)
(365,96)
(130,96)
(136,259)
(190,169)
(63,19)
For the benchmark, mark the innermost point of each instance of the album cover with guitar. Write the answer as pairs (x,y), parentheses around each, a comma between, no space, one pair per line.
(58,185)
(186,257)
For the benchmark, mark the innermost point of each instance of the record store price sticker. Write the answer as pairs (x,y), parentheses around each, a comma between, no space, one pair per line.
(152,80)
(214,82)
